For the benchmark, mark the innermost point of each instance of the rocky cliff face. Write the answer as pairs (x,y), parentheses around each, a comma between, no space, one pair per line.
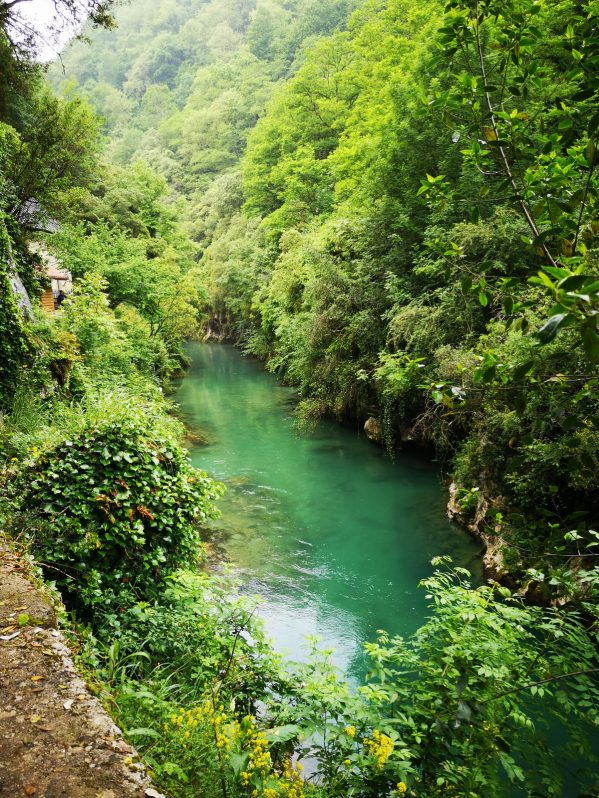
(478,524)
(20,294)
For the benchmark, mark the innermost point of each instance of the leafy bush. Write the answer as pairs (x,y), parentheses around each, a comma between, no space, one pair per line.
(190,629)
(466,706)
(186,672)
(117,507)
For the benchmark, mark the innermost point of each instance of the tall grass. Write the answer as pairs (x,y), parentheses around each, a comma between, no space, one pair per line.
(38,423)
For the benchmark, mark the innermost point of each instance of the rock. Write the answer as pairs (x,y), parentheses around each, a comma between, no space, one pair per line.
(476,522)
(537,593)
(20,293)
(373,429)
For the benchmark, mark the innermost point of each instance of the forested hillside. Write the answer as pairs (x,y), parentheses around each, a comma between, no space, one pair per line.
(182,83)
(396,208)
(394,205)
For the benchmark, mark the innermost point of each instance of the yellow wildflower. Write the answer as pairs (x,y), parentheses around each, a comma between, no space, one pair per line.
(379,746)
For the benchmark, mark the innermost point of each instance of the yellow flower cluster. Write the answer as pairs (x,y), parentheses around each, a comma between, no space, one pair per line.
(274,785)
(205,714)
(380,747)
(259,761)
(401,788)
(241,737)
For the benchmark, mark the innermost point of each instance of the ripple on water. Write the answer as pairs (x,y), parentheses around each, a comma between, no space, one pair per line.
(331,533)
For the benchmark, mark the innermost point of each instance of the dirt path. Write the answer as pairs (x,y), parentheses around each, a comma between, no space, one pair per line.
(56,739)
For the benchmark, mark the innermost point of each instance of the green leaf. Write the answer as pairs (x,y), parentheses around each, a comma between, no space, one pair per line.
(590,341)
(573,282)
(522,369)
(281,734)
(489,373)
(143,732)
(556,271)
(513,772)
(549,330)
(238,761)
(590,152)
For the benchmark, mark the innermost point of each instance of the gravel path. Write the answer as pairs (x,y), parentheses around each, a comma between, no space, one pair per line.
(56,739)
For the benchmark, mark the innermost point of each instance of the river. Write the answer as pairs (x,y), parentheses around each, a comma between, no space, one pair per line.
(331,533)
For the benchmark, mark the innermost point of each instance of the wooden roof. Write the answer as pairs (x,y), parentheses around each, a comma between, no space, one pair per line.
(55,274)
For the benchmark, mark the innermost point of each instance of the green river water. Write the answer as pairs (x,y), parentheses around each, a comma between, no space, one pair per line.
(332,534)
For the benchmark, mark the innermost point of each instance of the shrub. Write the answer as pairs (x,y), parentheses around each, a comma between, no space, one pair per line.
(190,630)
(467,706)
(116,507)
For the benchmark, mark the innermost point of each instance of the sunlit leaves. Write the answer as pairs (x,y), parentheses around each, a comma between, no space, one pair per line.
(501,78)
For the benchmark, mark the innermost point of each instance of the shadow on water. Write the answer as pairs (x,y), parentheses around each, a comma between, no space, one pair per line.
(331,533)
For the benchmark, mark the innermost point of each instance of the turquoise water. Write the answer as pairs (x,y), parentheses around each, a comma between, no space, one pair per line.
(332,534)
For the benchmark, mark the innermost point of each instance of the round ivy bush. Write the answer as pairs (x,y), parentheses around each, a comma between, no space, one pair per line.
(118,508)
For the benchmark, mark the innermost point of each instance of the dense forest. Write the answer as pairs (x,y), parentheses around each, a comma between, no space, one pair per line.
(357,225)
(394,206)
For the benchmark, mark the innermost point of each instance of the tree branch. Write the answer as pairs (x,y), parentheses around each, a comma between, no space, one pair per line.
(543,681)
(504,159)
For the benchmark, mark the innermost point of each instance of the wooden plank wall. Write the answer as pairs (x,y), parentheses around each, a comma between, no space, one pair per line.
(47,301)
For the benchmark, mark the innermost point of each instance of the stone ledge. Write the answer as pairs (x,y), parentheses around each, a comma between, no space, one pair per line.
(56,738)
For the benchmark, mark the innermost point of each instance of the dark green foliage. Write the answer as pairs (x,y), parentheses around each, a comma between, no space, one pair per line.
(188,632)
(14,341)
(126,231)
(55,153)
(453,709)
(15,83)
(117,508)
(413,225)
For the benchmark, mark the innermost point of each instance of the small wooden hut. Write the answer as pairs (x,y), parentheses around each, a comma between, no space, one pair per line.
(60,281)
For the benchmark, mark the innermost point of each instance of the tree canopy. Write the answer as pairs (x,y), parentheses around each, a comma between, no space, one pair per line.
(393,203)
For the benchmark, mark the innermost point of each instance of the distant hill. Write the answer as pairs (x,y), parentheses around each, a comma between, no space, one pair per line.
(180,84)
